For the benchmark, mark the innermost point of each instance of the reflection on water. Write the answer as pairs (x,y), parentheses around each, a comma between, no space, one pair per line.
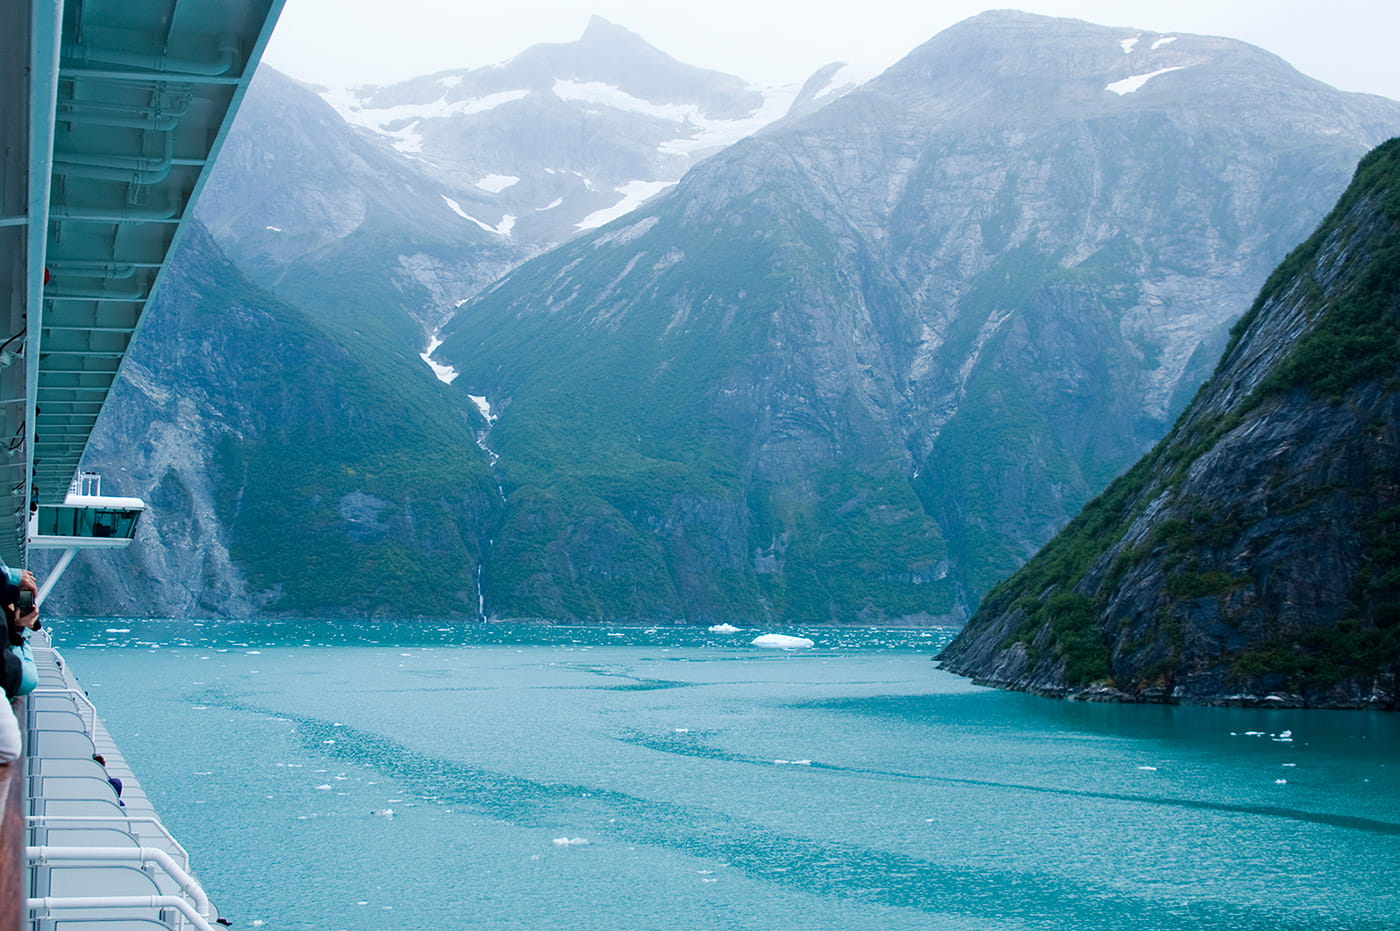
(399,775)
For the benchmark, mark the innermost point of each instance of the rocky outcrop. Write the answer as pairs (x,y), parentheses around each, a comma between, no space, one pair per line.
(1252,556)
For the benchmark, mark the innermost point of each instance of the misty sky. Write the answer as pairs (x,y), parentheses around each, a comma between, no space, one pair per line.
(1350,44)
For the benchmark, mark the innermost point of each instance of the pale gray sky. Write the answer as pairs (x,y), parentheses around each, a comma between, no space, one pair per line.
(1350,44)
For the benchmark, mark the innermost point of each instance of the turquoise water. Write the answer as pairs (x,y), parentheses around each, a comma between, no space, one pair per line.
(399,776)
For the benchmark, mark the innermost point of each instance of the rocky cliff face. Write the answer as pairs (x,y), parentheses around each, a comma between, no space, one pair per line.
(862,365)
(287,469)
(1252,557)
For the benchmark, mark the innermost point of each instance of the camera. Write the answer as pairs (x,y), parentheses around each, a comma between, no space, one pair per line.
(24,602)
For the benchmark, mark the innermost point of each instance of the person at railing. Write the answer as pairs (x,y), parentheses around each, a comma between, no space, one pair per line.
(21,616)
(18,674)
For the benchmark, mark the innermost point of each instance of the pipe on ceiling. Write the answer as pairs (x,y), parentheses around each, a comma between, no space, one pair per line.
(163,65)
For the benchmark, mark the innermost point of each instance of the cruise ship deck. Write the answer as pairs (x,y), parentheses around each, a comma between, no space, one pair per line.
(97,859)
(112,113)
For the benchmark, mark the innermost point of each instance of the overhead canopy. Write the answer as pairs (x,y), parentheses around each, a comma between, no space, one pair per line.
(119,107)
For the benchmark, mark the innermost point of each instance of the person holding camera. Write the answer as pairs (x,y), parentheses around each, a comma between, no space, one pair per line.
(21,616)
(20,675)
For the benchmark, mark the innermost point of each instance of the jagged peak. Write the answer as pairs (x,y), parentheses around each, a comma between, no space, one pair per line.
(605,30)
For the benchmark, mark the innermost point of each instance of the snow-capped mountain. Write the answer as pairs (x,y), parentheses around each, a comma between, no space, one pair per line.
(566,137)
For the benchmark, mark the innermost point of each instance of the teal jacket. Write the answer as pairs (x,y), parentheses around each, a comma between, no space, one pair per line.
(29,679)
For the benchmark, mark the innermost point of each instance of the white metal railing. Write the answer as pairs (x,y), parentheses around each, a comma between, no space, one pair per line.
(43,856)
(45,907)
(75,693)
(176,849)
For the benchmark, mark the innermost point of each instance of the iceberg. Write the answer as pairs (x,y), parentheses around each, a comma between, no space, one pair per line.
(781,642)
(724,629)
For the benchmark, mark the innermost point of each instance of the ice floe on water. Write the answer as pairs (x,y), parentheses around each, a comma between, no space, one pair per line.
(781,642)
(723,629)
(570,841)
(793,762)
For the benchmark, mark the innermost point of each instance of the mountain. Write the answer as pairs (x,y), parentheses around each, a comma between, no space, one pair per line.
(298,455)
(327,217)
(568,136)
(288,467)
(1254,555)
(862,365)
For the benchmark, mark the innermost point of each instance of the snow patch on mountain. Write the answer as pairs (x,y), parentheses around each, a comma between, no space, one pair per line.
(1129,44)
(709,135)
(848,77)
(444,373)
(402,122)
(484,406)
(497,183)
(634,194)
(1135,83)
(1165,40)
(506,225)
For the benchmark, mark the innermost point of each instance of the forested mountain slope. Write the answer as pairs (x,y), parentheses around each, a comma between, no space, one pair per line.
(1254,555)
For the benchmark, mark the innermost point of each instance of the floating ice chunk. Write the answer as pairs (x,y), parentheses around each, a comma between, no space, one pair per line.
(570,841)
(385,812)
(323,788)
(1135,83)
(724,629)
(118,630)
(1280,782)
(781,642)
(1289,764)
(1148,769)
(275,229)
(680,730)
(793,762)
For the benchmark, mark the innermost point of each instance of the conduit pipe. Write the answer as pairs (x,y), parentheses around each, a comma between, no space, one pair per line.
(40,856)
(47,905)
(110,271)
(159,66)
(116,214)
(94,294)
(163,119)
(141,169)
